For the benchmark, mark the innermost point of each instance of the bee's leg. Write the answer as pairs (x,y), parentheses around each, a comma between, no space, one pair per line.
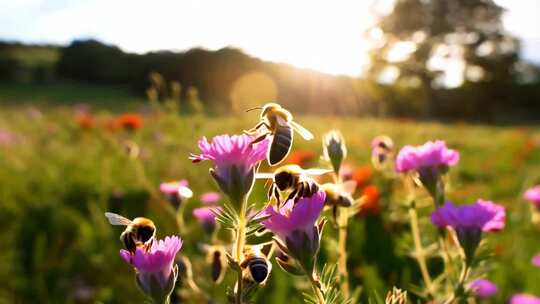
(257,127)
(334,213)
(292,194)
(271,191)
(276,195)
(260,138)
(307,189)
(314,188)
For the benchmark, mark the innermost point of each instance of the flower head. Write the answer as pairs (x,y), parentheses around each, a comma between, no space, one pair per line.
(210,198)
(536,260)
(234,158)
(382,148)
(429,155)
(469,221)
(301,157)
(370,201)
(483,215)
(483,288)
(334,149)
(362,175)
(533,195)
(523,298)
(295,226)
(156,275)
(129,121)
(176,191)
(207,217)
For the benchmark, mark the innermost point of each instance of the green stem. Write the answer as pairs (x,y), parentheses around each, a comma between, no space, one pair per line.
(420,254)
(342,245)
(316,289)
(239,248)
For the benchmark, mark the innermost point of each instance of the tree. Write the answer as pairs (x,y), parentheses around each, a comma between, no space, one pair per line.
(431,44)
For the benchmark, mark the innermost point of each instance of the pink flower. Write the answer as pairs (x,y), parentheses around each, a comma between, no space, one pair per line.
(176,191)
(207,217)
(210,198)
(295,217)
(523,298)
(155,266)
(484,215)
(429,155)
(469,221)
(227,151)
(234,159)
(533,195)
(483,288)
(295,227)
(536,260)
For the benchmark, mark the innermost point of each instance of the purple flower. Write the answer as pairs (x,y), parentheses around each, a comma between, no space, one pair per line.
(176,191)
(207,217)
(523,298)
(155,275)
(295,226)
(469,221)
(210,198)
(234,159)
(533,195)
(484,215)
(536,260)
(429,155)
(483,288)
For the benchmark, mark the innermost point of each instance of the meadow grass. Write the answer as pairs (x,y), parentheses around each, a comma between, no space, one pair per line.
(57,179)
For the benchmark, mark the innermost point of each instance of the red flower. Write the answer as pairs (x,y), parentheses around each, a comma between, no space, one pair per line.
(362,176)
(370,200)
(85,120)
(301,157)
(129,121)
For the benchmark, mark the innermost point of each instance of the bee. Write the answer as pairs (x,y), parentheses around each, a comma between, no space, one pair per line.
(139,233)
(278,123)
(255,264)
(339,195)
(292,177)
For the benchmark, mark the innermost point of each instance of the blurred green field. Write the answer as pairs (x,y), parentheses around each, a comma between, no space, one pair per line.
(57,179)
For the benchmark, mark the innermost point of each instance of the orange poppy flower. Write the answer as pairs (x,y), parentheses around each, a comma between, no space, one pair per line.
(129,121)
(370,200)
(85,120)
(301,157)
(362,176)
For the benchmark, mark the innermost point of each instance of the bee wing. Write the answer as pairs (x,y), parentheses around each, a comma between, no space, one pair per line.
(185,192)
(349,186)
(116,219)
(316,172)
(264,175)
(302,131)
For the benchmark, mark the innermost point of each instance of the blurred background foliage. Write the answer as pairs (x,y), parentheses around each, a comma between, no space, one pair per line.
(429,59)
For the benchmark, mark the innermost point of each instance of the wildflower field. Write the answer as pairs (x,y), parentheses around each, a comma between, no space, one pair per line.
(66,160)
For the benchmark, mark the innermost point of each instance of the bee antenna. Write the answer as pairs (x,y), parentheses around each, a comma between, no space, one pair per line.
(254,108)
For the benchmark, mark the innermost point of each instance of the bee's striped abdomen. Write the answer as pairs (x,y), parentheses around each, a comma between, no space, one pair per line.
(258,268)
(281,144)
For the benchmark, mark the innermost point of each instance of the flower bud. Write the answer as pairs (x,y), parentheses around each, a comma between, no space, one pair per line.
(334,149)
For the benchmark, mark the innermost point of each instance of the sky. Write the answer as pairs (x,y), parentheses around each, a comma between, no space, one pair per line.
(322,35)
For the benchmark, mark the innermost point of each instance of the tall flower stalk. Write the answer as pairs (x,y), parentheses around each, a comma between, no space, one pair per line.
(235,160)
(334,152)
(426,164)
(298,235)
